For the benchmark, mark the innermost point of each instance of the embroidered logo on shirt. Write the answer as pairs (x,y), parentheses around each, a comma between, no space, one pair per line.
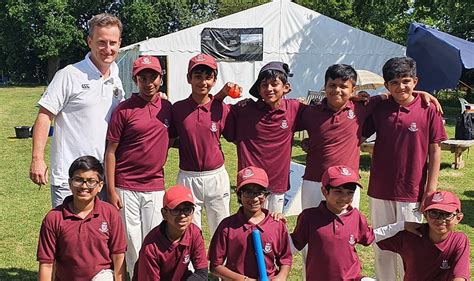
(166,123)
(345,171)
(268,248)
(248,173)
(352,240)
(445,265)
(104,227)
(284,124)
(213,127)
(186,258)
(351,114)
(413,127)
(85,86)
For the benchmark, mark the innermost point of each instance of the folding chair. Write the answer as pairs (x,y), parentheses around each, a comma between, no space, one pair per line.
(465,105)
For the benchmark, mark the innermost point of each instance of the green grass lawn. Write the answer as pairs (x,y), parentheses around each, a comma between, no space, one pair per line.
(23,205)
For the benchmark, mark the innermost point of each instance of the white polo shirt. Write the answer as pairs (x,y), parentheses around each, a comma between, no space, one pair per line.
(83,103)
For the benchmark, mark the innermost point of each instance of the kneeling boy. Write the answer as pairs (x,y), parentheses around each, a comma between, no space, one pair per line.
(231,254)
(441,253)
(84,237)
(169,247)
(336,227)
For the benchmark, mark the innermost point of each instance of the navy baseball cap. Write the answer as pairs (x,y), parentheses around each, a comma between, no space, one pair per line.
(273,65)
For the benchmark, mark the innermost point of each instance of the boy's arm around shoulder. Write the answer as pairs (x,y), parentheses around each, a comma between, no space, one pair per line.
(390,230)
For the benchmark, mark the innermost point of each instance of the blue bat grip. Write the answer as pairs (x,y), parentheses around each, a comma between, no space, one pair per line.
(257,245)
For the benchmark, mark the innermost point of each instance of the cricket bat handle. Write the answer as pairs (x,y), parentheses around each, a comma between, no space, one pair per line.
(257,245)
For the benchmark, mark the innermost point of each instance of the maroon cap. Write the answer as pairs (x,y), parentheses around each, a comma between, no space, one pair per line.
(252,174)
(442,200)
(274,65)
(339,175)
(176,195)
(146,62)
(202,59)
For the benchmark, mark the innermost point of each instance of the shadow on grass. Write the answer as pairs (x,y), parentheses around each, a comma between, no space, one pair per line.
(17,274)
(444,165)
(467,207)
(364,164)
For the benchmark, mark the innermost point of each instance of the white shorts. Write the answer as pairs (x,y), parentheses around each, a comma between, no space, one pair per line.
(275,202)
(211,191)
(141,212)
(384,212)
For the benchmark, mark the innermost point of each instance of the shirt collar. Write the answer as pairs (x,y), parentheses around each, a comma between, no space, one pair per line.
(261,105)
(348,106)
(330,214)
(184,241)
(206,107)
(67,212)
(408,106)
(136,98)
(246,224)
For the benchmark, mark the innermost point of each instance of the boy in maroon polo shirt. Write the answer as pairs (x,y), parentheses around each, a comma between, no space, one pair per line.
(263,130)
(138,141)
(407,154)
(336,227)
(441,253)
(199,121)
(84,237)
(169,248)
(231,252)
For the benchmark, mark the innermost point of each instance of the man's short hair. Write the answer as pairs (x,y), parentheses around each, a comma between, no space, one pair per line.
(102,20)
(343,71)
(399,67)
(87,163)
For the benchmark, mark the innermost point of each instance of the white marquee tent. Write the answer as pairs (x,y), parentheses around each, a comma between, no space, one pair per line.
(308,41)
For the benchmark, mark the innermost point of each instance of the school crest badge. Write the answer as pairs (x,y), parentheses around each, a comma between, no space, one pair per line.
(352,240)
(268,248)
(413,127)
(248,173)
(146,60)
(166,123)
(350,114)
(213,127)
(345,171)
(284,124)
(437,197)
(186,259)
(445,265)
(104,227)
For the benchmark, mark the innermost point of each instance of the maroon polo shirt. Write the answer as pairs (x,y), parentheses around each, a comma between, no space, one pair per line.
(81,247)
(142,131)
(399,163)
(199,129)
(264,137)
(425,261)
(160,259)
(331,241)
(232,245)
(334,137)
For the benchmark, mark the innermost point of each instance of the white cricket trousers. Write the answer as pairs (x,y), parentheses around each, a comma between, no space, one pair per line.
(311,196)
(274,202)
(141,212)
(211,190)
(383,212)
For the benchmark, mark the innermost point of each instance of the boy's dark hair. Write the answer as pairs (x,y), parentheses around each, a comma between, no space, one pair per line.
(399,67)
(272,74)
(204,69)
(87,163)
(343,71)
(350,186)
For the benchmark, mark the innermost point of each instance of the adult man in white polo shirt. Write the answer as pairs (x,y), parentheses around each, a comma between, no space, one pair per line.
(80,98)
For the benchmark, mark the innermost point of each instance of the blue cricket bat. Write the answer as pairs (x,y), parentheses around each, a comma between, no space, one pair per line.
(257,245)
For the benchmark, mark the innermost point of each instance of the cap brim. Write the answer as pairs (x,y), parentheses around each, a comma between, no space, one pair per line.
(254,181)
(445,208)
(173,204)
(254,90)
(339,182)
(155,68)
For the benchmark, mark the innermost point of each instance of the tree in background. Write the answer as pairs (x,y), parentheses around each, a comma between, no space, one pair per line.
(40,36)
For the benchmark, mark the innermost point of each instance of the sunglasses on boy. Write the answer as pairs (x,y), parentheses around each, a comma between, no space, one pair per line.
(79,182)
(180,211)
(252,194)
(440,215)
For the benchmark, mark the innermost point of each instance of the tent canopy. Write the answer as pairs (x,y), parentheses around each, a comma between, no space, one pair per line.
(440,57)
(308,41)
